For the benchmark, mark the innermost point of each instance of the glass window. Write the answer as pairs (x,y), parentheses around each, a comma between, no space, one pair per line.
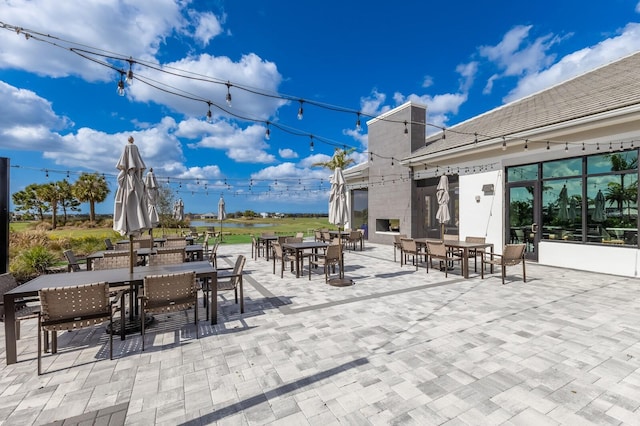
(613,208)
(562,168)
(522,173)
(562,210)
(606,163)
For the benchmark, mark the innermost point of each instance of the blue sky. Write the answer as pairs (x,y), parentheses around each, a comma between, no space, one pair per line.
(60,113)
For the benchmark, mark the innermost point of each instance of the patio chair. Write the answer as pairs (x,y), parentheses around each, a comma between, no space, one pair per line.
(257,247)
(108,244)
(213,254)
(410,248)
(330,258)
(512,254)
(114,259)
(354,238)
(475,253)
(228,281)
(317,235)
(397,245)
(25,309)
(282,256)
(300,235)
(437,250)
(167,256)
(74,262)
(175,241)
(169,293)
(75,307)
(142,243)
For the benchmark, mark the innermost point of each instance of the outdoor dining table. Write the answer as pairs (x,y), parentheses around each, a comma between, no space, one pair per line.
(299,248)
(267,239)
(115,278)
(460,245)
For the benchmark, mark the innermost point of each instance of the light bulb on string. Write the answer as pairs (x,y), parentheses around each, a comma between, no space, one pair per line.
(547,145)
(46,173)
(566,147)
(444,134)
(406,130)
(621,146)
(267,133)
(597,146)
(504,144)
(209,115)
(583,146)
(311,144)
(228,98)
(358,125)
(475,139)
(120,89)
(526,144)
(610,147)
(130,72)
(300,110)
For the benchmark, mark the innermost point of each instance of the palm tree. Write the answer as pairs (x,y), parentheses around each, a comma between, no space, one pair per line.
(48,193)
(339,159)
(67,200)
(91,188)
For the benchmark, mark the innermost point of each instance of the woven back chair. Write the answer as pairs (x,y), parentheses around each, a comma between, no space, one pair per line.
(114,259)
(167,256)
(233,280)
(75,307)
(293,240)
(354,237)
(512,254)
(142,243)
(108,244)
(409,247)
(23,310)
(169,293)
(213,254)
(175,242)
(437,250)
(397,245)
(475,253)
(330,258)
(282,256)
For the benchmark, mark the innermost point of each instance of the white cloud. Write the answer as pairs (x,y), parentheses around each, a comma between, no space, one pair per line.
(467,73)
(208,26)
(638,7)
(135,28)
(243,145)
(287,153)
(627,42)
(373,105)
(362,138)
(427,81)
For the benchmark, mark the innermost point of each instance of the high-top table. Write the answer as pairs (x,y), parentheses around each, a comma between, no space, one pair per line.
(115,278)
(460,245)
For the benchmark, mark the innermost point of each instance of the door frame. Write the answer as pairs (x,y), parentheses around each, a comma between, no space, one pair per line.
(531,253)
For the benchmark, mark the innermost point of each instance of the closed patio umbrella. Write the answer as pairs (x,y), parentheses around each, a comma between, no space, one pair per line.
(442,194)
(222,213)
(563,204)
(130,213)
(573,209)
(339,215)
(598,208)
(151,186)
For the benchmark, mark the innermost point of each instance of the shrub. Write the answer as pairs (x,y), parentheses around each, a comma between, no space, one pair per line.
(32,262)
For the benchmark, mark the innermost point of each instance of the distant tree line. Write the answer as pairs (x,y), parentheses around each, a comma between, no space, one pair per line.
(37,199)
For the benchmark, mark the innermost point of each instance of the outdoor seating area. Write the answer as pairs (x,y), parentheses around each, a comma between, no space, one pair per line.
(396,315)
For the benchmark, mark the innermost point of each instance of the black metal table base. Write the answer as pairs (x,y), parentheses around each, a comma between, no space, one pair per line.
(340,282)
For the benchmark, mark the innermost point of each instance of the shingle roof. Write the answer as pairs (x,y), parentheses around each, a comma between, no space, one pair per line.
(610,87)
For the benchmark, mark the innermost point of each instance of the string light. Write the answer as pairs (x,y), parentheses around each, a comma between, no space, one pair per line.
(130,72)
(267,133)
(228,98)
(566,147)
(209,115)
(504,144)
(120,89)
(475,139)
(444,134)
(406,130)
(311,144)
(526,144)
(300,110)
(358,126)
(547,145)
(597,146)
(610,147)
(583,146)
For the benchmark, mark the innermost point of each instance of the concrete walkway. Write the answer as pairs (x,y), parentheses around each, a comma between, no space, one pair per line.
(398,347)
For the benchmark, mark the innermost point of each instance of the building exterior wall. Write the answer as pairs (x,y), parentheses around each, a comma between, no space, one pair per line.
(390,185)
(483,218)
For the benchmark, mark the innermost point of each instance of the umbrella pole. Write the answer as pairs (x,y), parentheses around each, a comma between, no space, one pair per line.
(131,254)
(220,230)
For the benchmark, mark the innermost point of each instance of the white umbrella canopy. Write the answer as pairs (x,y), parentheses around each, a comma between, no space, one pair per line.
(338,208)
(130,213)
(598,214)
(222,213)
(151,185)
(442,194)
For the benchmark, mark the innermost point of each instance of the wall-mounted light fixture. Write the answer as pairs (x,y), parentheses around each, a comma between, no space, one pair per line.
(477,198)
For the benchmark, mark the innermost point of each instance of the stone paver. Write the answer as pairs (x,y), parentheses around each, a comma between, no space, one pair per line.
(398,347)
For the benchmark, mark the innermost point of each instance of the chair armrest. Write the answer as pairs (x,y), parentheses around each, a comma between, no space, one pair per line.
(229,275)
